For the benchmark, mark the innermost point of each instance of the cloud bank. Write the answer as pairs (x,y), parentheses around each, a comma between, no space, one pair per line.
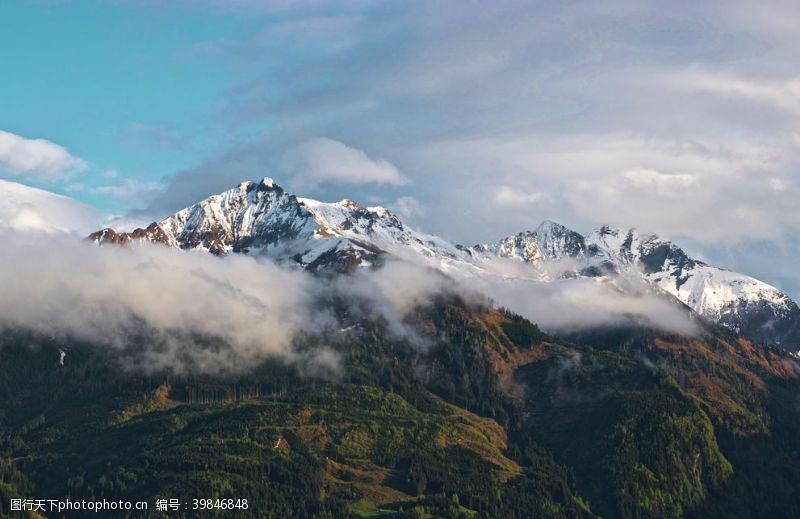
(570,305)
(712,192)
(162,308)
(564,304)
(37,159)
(110,296)
(321,159)
(26,208)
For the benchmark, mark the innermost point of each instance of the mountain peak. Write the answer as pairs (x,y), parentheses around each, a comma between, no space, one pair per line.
(347,203)
(268,184)
(263,185)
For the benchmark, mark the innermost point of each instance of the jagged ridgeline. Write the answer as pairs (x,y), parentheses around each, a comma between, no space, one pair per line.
(262,219)
(494,418)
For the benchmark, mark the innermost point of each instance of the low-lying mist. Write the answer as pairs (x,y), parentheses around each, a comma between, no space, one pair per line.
(190,311)
(557,300)
(107,295)
(187,310)
(574,304)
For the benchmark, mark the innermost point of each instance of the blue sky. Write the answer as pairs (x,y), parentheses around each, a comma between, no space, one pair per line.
(475,120)
(114,83)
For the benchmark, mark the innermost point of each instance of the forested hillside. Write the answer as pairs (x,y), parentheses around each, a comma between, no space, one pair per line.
(487,416)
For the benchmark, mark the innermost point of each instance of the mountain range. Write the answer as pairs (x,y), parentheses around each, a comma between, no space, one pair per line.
(455,407)
(263,219)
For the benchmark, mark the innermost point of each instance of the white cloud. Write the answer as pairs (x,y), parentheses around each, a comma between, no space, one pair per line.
(574,304)
(322,159)
(783,93)
(127,189)
(710,190)
(513,197)
(27,208)
(211,314)
(558,305)
(408,207)
(777,184)
(662,183)
(105,295)
(124,188)
(37,159)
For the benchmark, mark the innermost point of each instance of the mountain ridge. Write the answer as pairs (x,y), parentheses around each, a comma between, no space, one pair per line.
(262,219)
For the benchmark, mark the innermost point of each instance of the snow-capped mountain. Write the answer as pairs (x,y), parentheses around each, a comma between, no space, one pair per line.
(553,249)
(737,301)
(262,219)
